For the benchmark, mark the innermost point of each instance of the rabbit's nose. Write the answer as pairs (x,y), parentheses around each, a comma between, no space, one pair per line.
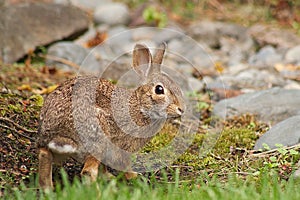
(179,111)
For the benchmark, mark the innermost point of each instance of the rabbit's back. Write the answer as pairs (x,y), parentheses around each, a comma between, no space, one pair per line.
(80,110)
(71,101)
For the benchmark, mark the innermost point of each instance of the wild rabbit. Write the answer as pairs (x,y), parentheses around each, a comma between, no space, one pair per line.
(94,121)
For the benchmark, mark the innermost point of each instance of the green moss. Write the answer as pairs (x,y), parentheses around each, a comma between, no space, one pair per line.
(162,139)
(243,138)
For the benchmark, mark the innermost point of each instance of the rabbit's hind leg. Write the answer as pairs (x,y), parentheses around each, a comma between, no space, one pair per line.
(91,167)
(45,168)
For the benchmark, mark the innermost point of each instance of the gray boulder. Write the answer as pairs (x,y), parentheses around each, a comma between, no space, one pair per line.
(286,133)
(270,106)
(23,27)
(112,14)
(90,4)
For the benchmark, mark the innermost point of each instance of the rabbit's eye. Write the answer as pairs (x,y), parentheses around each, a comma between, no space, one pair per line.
(159,89)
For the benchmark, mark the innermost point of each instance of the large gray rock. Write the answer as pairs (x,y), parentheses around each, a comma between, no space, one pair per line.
(23,27)
(286,133)
(270,106)
(112,14)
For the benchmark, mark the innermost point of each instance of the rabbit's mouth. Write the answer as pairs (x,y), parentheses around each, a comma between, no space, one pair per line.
(174,111)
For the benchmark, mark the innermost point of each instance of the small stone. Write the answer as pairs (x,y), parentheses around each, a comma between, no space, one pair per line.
(286,133)
(292,85)
(144,33)
(206,32)
(252,79)
(230,38)
(195,84)
(64,2)
(186,50)
(119,37)
(167,34)
(112,14)
(297,174)
(90,4)
(292,55)
(266,57)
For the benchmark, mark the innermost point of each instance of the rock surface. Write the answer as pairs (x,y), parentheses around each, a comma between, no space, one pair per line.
(292,55)
(253,79)
(265,35)
(266,57)
(90,4)
(270,106)
(23,27)
(75,54)
(286,133)
(231,39)
(112,14)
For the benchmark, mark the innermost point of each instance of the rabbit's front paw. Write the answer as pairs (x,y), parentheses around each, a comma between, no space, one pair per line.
(131,175)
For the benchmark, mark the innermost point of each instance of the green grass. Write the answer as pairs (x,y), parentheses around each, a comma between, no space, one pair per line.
(265,187)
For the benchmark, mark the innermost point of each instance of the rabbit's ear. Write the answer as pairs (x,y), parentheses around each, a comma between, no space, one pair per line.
(157,59)
(141,56)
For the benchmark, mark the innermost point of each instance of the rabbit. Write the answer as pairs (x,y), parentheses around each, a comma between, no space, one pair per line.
(97,122)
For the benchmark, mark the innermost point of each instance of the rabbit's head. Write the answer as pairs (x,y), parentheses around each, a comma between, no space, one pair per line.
(160,96)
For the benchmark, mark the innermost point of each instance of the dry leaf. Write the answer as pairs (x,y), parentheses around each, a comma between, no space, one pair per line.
(98,39)
(45,90)
(25,87)
(219,67)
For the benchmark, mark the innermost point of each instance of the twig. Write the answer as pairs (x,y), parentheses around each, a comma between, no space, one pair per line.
(61,60)
(172,182)
(15,131)
(297,146)
(17,125)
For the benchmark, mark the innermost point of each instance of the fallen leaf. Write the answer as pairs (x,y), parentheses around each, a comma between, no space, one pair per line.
(45,90)
(219,67)
(25,87)
(98,39)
